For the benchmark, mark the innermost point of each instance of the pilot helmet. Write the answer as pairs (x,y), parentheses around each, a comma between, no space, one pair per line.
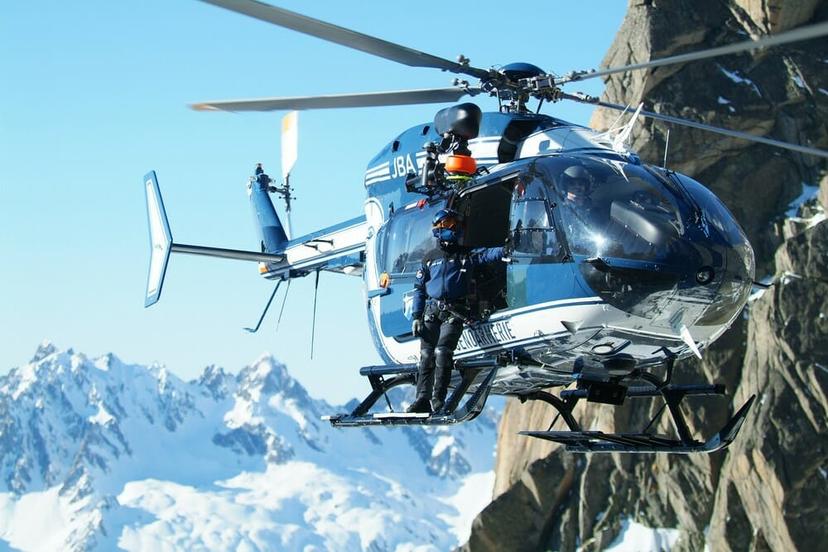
(576,183)
(446,226)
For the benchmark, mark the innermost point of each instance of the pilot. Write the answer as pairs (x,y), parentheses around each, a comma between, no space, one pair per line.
(440,306)
(576,183)
(585,225)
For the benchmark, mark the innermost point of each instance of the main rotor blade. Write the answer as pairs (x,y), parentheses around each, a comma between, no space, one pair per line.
(344,37)
(701,126)
(795,35)
(368,99)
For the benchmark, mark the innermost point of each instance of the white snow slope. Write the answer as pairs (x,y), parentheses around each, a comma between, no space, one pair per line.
(102,455)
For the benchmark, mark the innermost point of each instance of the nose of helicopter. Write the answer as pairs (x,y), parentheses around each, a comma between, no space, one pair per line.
(699,280)
(726,293)
(650,242)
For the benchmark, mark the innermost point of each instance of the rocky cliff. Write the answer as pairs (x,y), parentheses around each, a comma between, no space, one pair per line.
(767,491)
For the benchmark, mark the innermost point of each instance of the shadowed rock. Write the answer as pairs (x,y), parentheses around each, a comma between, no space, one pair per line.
(767,491)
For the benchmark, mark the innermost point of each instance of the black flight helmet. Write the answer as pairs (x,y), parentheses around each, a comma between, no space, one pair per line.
(446,226)
(576,184)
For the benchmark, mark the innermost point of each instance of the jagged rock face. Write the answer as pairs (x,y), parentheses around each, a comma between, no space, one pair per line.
(775,477)
(775,16)
(780,93)
(596,493)
(767,491)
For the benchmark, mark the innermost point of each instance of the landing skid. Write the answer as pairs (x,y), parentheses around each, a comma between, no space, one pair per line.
(477,374)
(594,385)
(578,440)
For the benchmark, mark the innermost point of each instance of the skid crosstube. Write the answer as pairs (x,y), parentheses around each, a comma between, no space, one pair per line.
(384,378)
(578,440)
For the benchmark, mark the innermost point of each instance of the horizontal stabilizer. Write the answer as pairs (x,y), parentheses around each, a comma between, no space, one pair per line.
(222,253)
(161,244)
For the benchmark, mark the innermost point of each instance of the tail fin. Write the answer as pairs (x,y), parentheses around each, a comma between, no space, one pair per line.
(160,239)
(161,242)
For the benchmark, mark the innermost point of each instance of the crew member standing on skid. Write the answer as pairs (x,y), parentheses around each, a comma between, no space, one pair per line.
(440,307)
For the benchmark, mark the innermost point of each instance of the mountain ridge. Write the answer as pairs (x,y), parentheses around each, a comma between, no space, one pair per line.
(124,455)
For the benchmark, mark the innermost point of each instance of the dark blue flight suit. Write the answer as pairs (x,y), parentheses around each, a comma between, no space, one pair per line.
(441,289)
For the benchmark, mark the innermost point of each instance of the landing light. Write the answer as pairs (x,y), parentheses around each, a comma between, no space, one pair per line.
(603,349)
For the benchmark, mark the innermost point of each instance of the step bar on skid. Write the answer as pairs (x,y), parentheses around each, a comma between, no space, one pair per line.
(475,378)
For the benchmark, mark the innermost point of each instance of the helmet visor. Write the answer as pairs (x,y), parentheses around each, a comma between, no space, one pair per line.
(448,222)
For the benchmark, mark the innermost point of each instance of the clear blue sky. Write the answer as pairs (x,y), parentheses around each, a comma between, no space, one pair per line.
(94,95)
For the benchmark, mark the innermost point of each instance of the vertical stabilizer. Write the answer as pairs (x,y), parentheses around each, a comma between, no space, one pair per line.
(161,242)
(160,239)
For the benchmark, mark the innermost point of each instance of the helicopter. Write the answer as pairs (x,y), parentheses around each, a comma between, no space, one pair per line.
(616,269)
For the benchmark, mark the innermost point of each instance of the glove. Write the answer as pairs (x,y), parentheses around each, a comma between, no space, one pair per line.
(508,247)
(416,326)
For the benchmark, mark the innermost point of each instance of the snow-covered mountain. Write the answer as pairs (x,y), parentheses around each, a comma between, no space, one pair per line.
(99,454)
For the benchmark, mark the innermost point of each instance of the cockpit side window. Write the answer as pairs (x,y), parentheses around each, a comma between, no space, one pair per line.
(530,213)
(407,239)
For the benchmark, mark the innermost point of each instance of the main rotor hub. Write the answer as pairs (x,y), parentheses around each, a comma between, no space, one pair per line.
(519,70)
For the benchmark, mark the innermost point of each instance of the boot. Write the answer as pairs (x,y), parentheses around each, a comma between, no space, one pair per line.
(437,405)
(421,404)
(424,385)
(438,400)
(442,376)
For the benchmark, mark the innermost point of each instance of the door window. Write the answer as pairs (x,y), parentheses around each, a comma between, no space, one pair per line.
(532,231)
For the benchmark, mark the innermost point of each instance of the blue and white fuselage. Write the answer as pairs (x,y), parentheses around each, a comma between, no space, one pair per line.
(614,268)
(652,266)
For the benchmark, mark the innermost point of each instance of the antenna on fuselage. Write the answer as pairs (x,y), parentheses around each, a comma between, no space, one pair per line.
(313,323)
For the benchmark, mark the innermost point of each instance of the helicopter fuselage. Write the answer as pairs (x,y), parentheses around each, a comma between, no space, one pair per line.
(611,266)
(643,265)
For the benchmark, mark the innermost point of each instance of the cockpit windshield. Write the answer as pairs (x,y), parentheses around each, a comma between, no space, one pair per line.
(611,208)
(616,214)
